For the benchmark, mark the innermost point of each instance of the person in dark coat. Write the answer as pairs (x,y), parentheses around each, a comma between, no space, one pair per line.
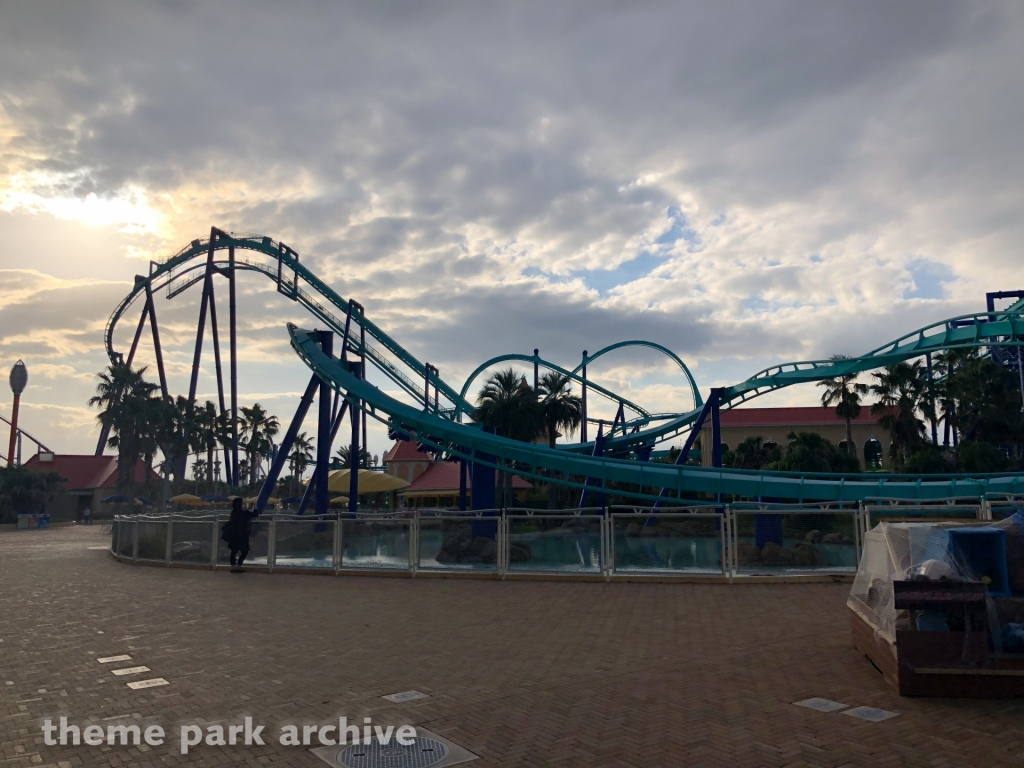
(236,533)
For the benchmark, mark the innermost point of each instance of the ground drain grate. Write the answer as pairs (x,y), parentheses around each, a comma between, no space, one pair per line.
(428,750)
(422,753)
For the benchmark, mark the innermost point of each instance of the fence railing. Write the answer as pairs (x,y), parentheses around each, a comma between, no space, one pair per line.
(712,541)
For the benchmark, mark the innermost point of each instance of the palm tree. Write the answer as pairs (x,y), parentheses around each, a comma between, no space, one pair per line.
(177,432)
(900,390)
(507,403)
(302,452)
(344,454)
(211,431)
(258,429)
(844,393)
(127,406)
(561,410)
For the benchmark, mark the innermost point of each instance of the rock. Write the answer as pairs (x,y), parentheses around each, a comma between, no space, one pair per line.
(808,555)
(832,538)
(633,529)
(453,545)
(444,557)
(748,554)
(484,548)
(774,555)
(648,530)
(813,537)
(519,552)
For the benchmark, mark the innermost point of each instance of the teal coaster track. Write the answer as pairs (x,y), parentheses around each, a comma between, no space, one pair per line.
(437,422)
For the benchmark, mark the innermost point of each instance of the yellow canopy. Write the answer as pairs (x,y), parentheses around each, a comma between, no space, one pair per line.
(252,500)
(370,481)
(187,499)
(338,500)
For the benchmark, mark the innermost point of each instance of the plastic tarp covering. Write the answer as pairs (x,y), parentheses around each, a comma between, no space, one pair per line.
(904,551)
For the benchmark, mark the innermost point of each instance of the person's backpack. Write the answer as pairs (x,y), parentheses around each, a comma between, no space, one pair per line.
(227,531)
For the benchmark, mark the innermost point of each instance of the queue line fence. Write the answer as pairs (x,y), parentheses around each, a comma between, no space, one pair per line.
(714,541)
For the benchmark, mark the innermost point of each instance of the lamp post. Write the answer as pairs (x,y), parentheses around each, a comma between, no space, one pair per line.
(18,379)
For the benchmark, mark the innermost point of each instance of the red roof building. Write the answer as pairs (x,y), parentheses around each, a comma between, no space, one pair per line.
(433,483)
(87,479)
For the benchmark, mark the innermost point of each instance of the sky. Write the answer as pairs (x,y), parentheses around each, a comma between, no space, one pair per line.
(744,183)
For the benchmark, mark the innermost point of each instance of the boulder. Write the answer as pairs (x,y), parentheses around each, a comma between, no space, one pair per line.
(633,529)
(748,554)
(832,538)
(519,552)
(774,555)
(808,555)
(813,537)
(649,530)
(484,548)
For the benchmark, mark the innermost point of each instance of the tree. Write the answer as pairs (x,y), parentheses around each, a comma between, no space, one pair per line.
(987,402)
(23,492)
(127,408)
(258,430)
(302,452)
(200,470)
(753,453)
(507,403)
(211,430)
(560,410)
(344,453)
(844,392)
(899,389)
(810,452)
(177,432)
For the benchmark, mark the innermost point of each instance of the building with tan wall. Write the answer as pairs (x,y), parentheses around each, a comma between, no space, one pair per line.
(773,424)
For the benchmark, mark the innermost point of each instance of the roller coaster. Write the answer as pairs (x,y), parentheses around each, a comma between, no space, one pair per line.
(440,419)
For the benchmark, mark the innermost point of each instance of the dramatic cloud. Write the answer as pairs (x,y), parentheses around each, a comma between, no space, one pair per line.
(743,183)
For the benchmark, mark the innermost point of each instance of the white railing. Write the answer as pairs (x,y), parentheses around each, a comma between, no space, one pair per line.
(707,541)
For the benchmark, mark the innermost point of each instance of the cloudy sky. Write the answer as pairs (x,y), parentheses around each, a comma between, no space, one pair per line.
(745,183)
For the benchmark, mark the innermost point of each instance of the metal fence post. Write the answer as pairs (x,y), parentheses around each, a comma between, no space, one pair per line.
(135,542)
(169,549)
(115,538)
(414,543)
(215,544)
(272,542)
(337,544)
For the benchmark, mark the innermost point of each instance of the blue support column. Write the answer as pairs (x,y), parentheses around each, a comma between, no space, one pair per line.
(354,414)
(307,495)
(598,451)
(323,434)
(462,485)
(483,495)
(705,411)
(286,445)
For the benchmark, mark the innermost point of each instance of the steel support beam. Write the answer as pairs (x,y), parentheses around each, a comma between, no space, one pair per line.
(323,435)
(286,444)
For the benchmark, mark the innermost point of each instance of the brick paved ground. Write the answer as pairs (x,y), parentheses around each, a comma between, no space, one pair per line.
(521,673)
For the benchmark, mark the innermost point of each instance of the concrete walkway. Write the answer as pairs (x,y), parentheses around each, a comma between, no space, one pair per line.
(520,673)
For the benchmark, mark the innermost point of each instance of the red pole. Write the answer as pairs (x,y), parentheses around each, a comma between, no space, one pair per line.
(14,429)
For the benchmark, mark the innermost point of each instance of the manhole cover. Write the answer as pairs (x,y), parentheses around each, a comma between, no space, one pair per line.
(422,753)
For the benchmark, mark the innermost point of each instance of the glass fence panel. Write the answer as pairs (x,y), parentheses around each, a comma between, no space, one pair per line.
(191,541)
(916,514)
(795,542)
(375,543)
(126,542)
(304,544)
(554,543)
(661,543)
(259,544)
(458,543)
(1002,510)
(152,540)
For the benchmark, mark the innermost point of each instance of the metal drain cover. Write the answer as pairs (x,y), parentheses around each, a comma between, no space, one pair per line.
(422,753)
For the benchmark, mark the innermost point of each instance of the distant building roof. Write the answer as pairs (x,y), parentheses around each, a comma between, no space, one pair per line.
(443,476)
(814,416)
(406,450)
(84,473)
